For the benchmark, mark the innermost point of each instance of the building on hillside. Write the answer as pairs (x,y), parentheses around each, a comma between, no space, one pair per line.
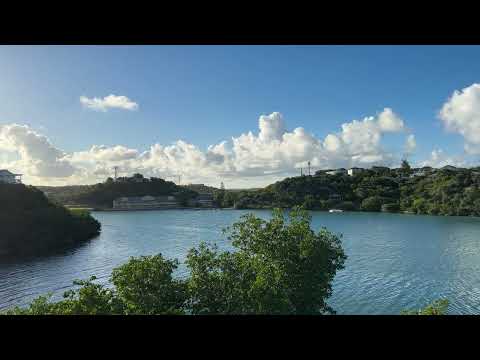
(202,200)
(450,168)
(336,197)
(340,171)
(145,202)
(354,171)
(321,172)
(9,178)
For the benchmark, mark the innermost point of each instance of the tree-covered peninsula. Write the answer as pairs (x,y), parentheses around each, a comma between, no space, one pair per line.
(445,191)
(31,224)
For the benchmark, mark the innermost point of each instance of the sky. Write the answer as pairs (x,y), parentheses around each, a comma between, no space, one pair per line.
(243,115)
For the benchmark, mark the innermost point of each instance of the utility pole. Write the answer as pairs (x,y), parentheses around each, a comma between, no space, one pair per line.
(301,171)
(309,168)
(116,169)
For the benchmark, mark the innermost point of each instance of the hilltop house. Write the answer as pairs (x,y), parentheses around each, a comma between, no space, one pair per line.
(10,178)
(355,170)
(340,171)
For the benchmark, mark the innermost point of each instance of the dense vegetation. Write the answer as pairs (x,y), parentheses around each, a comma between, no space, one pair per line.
(280,266)
(30,223)
(438,307)
(419,191)
(103,194)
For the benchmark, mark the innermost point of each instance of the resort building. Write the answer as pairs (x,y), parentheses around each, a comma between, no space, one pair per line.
(354,171)
(145,202)
(9,178)
(340,171)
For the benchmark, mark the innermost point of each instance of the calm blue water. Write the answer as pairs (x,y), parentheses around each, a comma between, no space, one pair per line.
(394,261)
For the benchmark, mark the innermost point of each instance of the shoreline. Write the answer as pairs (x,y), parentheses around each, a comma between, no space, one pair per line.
(270,208)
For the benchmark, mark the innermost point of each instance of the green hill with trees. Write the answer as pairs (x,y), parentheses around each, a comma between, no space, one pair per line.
(102,194)
(31,224)
(445,191)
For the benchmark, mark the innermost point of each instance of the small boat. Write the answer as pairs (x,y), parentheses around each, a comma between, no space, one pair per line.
(335,210)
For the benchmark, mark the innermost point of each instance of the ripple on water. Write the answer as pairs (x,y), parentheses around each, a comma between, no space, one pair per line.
(395,262)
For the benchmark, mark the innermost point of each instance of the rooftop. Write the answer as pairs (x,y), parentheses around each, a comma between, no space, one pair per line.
(4,172)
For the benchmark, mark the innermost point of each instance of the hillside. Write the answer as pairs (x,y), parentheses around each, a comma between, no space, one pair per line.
(103,194)
(63,194)
(31,223)
(420,191)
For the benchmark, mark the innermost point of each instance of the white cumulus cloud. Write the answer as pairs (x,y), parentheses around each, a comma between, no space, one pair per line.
(250,159)
(108,102)
(36,155)
(461,114)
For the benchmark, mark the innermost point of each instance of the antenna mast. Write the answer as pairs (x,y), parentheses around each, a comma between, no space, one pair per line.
(116,169)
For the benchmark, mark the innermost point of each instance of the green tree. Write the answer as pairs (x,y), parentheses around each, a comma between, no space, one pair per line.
(438,307)
(145,285)
(406,169)
(279,267)
(373,203)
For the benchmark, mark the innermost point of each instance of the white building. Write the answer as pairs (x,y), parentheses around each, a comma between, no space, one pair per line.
(354,170)
(337,172)
(9,178)
(145,202)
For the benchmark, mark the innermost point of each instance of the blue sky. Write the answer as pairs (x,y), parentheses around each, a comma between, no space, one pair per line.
(206,94)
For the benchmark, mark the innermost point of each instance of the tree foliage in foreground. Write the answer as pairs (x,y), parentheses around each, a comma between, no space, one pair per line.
(438,307)
(280,266)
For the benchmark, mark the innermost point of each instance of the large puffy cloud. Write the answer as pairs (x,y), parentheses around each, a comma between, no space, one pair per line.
(108,102)
(461,114)
(37,157)
(359,142)
(247,160)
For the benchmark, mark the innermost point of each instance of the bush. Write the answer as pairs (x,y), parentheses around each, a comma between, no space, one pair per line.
(373,203)
(438,307)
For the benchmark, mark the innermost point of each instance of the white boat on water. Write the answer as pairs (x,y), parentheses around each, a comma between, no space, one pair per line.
(335,210)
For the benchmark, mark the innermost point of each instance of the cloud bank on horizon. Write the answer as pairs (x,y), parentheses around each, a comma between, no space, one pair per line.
(248,160)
